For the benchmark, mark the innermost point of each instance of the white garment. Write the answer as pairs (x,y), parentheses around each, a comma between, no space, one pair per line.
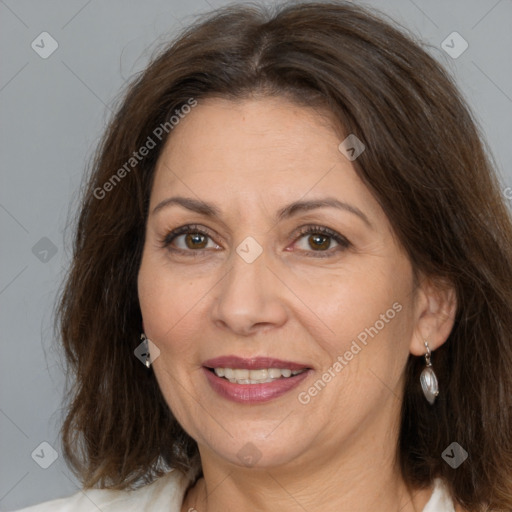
(166,494)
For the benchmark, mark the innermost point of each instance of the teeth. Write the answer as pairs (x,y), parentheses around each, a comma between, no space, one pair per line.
(260,376)
(252,374)
(274,373)
(241,374)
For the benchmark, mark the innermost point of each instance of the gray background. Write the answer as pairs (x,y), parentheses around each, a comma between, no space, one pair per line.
(53,112)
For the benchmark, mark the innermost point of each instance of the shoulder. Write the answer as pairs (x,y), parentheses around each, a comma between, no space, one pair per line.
(166,493)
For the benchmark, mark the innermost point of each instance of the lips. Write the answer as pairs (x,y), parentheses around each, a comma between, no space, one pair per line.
(247,391)
(255,363)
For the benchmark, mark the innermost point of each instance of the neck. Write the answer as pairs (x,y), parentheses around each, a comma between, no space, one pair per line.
(362,477)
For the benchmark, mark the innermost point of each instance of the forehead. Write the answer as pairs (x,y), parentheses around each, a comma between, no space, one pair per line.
(255,148)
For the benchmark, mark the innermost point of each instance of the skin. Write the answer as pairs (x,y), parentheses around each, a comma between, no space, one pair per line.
(251,158)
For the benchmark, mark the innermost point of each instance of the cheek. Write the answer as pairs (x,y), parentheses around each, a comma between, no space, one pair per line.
(172,306)
(349,303)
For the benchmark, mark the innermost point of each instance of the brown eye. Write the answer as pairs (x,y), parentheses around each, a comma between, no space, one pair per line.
(189,239)
(196,241)
(319,242)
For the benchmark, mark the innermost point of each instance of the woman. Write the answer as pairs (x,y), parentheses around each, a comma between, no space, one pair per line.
(291,284)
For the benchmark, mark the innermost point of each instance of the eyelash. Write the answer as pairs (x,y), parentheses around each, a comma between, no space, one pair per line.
(342,242)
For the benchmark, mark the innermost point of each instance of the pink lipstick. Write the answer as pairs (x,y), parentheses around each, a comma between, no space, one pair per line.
(255,379)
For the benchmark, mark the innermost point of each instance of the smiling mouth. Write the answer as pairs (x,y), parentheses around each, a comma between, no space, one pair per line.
(255,376)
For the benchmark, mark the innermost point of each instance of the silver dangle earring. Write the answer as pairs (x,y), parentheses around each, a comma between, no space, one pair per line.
(428,378)
(147,362)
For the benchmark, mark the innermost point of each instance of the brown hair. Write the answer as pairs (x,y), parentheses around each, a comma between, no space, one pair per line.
(425,164)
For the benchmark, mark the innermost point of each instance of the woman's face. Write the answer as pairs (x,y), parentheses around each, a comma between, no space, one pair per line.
(282,260)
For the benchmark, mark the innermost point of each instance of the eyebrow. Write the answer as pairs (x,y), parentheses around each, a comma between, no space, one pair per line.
(210,210)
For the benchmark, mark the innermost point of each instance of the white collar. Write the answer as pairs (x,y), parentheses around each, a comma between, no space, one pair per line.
(440,501)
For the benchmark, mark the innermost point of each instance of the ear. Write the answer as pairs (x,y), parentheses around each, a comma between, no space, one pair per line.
(435,310)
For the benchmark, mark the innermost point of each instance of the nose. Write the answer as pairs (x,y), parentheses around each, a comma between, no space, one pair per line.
(249,299)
